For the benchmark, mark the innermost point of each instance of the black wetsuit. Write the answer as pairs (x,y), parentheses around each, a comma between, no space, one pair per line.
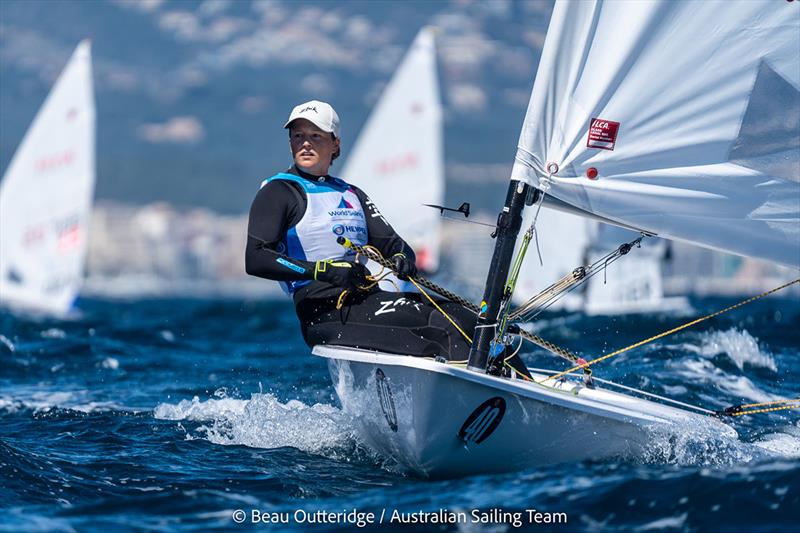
(394,322)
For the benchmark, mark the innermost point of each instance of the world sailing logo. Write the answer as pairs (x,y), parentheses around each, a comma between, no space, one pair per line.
(483,421)
(345,209)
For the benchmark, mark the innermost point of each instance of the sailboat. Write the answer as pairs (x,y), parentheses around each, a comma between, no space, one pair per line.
(46,197)
(565,241)
(657,116)
(398,156)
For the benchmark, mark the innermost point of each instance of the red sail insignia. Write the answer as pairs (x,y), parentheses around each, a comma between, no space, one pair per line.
(602,134)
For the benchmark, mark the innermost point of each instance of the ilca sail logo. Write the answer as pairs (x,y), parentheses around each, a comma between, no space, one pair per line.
(483,421)
(386,399)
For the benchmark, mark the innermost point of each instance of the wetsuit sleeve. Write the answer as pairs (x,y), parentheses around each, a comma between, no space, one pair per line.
(381,235)
(276,208)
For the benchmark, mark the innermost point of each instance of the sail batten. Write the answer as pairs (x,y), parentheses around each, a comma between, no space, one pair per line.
(685,114)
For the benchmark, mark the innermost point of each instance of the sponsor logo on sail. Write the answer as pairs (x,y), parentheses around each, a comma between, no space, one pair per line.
(602,134)
(397,163)
(483,421)
(386,399)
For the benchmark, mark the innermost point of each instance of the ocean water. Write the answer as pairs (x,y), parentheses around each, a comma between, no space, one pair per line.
(172,415)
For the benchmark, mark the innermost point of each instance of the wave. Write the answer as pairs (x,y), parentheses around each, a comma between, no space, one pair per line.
(265,422)
(45,401)
(739,346)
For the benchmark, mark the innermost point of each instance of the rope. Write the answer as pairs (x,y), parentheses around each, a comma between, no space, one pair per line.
(756,411)
(741,410)
(433,302)
(671,331)
(378,258)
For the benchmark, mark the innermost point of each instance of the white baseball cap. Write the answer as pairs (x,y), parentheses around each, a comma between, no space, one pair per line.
(319,113)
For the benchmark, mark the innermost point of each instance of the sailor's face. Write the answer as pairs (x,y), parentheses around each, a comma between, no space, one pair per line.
(312,148)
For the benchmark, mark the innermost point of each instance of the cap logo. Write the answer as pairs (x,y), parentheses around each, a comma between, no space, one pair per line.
(309,108)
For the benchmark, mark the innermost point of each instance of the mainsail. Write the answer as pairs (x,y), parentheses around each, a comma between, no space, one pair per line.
(685,125)
(46,195)
(398,159)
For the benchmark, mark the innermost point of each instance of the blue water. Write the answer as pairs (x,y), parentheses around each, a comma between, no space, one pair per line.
(169,415)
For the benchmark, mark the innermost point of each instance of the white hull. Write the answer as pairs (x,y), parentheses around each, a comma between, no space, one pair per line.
(440,420)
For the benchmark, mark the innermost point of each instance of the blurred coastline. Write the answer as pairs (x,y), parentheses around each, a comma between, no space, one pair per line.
(162,250)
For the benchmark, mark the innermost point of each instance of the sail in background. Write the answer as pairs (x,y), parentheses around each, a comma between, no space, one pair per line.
(563,241)
(398,157)
(46,196)
(689,118)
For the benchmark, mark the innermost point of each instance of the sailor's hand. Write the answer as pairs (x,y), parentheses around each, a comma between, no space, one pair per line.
(403,266)
(345,274)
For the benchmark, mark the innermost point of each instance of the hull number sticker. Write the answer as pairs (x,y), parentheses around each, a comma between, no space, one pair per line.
(483,421)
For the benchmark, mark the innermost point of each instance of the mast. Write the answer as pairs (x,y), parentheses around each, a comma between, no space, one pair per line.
(509,222)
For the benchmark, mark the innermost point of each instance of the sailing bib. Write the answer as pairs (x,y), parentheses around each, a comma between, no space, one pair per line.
(333,210)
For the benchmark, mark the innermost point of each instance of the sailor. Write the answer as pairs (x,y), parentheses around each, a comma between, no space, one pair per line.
(295,220)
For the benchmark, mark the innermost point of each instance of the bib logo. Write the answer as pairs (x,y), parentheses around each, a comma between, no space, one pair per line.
(386,399)
(341,229)
(483,421)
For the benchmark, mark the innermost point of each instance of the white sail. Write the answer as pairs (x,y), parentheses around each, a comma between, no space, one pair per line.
(46,195)
(398,157)
(689,118)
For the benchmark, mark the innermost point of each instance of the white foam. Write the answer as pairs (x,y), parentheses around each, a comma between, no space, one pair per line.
(740,347)
(781,444)
(670,522)
(7,343)
(741,387)
(712,444)
(198,411)
(264,422)
(110,363)
(53,333)
(44,401)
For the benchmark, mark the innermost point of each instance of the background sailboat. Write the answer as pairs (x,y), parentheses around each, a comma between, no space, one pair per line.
(398,156)
(46,196)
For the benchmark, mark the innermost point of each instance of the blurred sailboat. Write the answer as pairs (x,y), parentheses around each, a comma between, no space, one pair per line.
(46,197)
(567,242)
(398,156)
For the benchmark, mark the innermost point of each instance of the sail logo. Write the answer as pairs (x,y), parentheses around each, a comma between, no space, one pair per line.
(602,134)
(54,161)
(386,399)
(483,421)
(344,204)
(397,163)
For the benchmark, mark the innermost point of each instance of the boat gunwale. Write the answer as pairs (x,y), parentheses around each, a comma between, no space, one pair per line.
(600,402)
